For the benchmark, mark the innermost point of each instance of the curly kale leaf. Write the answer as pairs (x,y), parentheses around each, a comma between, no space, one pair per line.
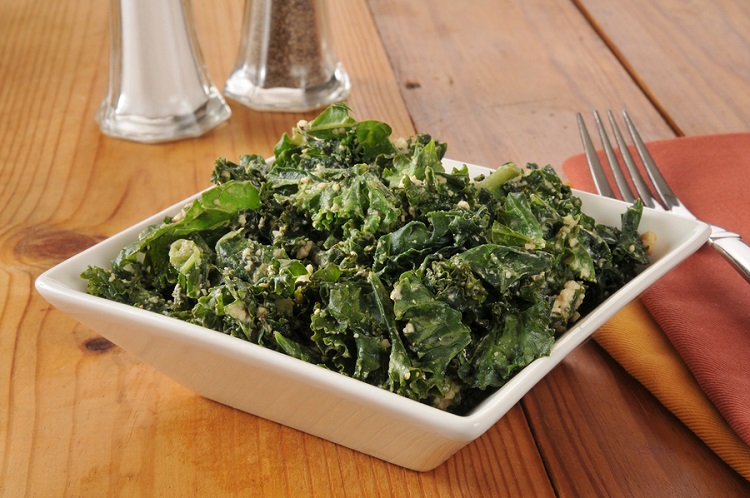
(453,282)
(252,168)
(443,234)
(434,334)
(348,328)
(122,287)
(502,267)
(514,341)
(355,197)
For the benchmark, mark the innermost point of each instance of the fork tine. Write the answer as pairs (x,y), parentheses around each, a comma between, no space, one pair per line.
(614,164)
(660,184)
(597,172)
(635,175)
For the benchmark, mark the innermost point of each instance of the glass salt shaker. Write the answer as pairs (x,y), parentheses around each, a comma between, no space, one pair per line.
(159,88)
(286,60)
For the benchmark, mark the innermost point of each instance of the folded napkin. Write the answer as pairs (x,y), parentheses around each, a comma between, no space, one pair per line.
(702,307)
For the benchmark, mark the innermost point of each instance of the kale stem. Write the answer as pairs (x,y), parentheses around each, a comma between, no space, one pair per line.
(499,177)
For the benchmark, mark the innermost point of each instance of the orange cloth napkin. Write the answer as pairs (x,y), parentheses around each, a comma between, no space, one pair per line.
(697,346)
(636,342)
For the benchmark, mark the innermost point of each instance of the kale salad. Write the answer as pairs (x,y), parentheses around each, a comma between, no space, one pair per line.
(361,254)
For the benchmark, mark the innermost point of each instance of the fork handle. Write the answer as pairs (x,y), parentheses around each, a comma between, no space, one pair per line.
(736,252)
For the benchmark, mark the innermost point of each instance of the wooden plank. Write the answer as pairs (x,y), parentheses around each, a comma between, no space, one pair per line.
(616,437)
(692,58)
(502,81)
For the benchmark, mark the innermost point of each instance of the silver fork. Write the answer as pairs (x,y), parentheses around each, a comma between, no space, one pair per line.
(729,244)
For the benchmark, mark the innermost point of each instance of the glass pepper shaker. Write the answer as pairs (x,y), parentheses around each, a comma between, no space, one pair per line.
(159,88)
(286,60)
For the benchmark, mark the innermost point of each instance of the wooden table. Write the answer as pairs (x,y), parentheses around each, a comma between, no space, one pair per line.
(498,80)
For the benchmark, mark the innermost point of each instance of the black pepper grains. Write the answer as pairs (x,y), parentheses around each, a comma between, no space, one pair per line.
(286,60)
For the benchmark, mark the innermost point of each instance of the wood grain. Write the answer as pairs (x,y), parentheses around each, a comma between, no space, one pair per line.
(691,58)
(622,441)
(502,81)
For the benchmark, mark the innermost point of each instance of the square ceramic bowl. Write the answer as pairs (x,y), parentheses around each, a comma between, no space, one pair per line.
(319,401)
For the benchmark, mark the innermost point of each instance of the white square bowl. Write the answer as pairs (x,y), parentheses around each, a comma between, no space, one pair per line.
(323,402)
